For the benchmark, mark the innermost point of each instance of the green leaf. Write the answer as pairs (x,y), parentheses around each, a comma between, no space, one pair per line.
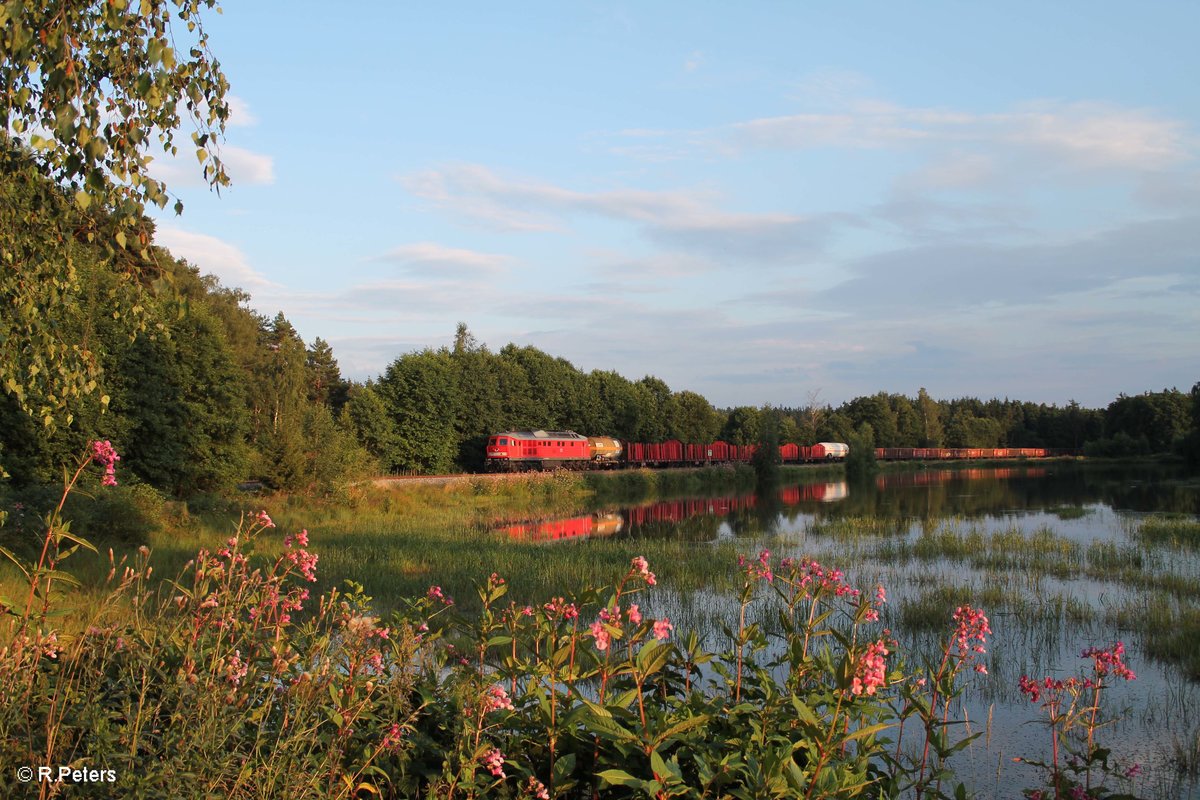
(619,777)
(870,730)
(4,551)
(681,727)
(609,728)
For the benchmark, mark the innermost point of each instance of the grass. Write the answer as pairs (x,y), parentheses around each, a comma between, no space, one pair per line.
(1170,531)
(1068,512)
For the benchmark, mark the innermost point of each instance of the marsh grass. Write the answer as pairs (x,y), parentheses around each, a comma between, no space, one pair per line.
(397,541)
(856,527)
(1170,531)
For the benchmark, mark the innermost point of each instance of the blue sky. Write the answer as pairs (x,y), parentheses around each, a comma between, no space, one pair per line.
(762,202)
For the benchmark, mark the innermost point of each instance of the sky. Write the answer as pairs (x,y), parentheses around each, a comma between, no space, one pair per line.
(764,202)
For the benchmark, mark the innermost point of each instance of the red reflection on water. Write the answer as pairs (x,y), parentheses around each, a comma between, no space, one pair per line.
(931,477)
(548,530)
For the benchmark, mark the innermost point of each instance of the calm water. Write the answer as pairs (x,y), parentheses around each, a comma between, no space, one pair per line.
(1041,622)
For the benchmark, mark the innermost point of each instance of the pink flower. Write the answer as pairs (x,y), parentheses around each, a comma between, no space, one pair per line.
(496,699)
(537,789)
(263,519)
(494,761)
(601,635)
(1110,660)
(663,628)
(559,606)
(971,632)
(761,570)
(635,616)
(393,737)
(236,669)
(871,672)
(306,562)
(642,567)
(106,456)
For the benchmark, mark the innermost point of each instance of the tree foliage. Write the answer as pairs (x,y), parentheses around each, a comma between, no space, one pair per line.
(88,88)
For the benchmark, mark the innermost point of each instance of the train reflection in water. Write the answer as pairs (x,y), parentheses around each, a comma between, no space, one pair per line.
(700,516)
(550,530)
(664,512)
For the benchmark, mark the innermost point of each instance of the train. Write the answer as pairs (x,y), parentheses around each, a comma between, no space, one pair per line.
(522,451)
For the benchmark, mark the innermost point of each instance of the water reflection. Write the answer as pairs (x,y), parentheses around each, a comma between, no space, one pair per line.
(550,530)
(1049,551)
(925,494)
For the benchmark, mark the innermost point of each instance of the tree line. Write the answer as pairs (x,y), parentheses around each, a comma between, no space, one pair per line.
(199,392)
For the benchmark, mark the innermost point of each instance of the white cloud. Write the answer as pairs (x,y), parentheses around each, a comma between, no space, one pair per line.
(435,260)
(1087,135)
(245,168)
(689,219)
(212,256)
(239,112)
(248,168)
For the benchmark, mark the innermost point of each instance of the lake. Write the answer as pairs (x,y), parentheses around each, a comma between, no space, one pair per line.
(1060,556)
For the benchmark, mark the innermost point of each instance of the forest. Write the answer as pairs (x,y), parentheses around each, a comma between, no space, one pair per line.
(199,393)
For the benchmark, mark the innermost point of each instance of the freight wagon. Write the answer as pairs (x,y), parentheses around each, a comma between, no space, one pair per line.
(956,453)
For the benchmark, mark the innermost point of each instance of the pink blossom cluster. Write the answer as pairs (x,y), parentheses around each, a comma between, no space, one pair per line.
(305,561)
(1105,662)
(263,519)
(496,699)
(663,628)
(392,737)
(872,614)
(494,761)
(760,570)
(1110,660)
(805,572)
(970,634)
(558,607)
(642,567)
(537,789)
(236,668)
(106,456)
(436,593)
(871,672)
(601,635)
(277,607)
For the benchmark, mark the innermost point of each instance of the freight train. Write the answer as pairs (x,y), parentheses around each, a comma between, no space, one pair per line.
(514,451)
